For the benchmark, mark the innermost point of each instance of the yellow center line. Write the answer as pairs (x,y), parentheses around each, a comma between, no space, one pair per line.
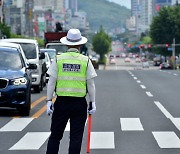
(34,104)
(37,101)
(41,111)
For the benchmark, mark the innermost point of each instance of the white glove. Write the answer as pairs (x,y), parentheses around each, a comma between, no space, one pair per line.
(93,110)
(50,107)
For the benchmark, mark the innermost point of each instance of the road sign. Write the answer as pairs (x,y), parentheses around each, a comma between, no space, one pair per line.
(169,49)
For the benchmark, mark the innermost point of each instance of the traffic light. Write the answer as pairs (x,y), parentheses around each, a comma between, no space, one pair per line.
(166,45)
(149,45)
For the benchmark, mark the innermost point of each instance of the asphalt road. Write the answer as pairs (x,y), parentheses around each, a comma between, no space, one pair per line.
(137,113)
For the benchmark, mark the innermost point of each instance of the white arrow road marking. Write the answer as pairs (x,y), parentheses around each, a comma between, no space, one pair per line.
(31,141)
(131,124)
(149,94)
(167,139)
(16,124)
(143,87)
(102,140)
(163,110)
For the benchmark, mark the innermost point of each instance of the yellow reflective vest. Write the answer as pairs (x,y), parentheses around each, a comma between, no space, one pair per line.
(72,69)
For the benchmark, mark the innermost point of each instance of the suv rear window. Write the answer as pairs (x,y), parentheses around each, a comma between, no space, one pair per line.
(10,60)
(29,50)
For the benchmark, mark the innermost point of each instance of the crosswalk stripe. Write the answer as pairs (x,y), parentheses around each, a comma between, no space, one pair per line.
(176,122)
(167,139)
(67,126)
(163,110)
(131,124)
(31,141)
(102,140)
(17,124)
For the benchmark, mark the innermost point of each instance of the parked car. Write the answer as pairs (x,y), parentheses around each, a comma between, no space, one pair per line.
(47,62)
(15,83)
(145,64)
(178,63)
(52,53)
(165,66)
(137,60)
(112,61)
(127,60)
(157,60)
(59,47)
(32,53)
(94,60)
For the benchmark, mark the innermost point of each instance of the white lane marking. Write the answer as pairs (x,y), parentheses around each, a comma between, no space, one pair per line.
(131,124)
(102,140)
(143,87)
(16,124)
(176,122)
(163,110)
(135,78)
(149,94)
(31,141)
(167,139)
(132,75)
(138,81)
(175,74)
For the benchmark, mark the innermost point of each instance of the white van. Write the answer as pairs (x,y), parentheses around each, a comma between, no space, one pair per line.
(33,55)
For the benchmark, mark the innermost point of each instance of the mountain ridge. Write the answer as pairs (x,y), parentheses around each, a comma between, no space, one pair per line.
(102,12)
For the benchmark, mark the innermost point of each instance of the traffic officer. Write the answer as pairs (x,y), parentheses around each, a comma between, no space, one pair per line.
(71,77)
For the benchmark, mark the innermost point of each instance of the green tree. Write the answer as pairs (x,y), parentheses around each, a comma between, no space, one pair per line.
(5,30)
(165,27)
(101,43)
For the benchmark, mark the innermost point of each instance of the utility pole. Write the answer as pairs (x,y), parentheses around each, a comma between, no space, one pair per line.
(174,53)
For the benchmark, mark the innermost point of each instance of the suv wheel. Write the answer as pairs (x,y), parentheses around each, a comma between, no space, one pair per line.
(25,111)
(37,89)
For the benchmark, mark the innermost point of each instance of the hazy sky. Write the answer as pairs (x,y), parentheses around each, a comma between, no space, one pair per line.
(126,3)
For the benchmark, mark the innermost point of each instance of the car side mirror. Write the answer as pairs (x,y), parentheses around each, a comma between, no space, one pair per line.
(42,55)
(32,66)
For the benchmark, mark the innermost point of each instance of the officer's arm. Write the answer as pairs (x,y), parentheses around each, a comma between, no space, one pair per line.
(51,87)
(52,80)
(91,89)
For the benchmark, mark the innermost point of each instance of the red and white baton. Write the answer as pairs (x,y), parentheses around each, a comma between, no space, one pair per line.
(89,128)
